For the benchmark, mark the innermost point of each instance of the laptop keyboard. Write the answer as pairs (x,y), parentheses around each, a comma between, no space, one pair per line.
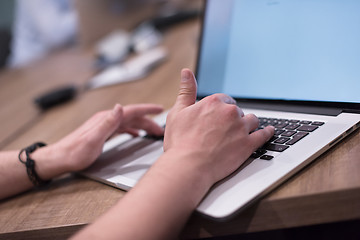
(287,133)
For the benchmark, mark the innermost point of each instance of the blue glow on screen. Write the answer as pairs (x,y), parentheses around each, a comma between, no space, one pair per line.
(285,49)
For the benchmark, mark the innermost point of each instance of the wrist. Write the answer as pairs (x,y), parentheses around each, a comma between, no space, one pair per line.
(188,168)
(49,162)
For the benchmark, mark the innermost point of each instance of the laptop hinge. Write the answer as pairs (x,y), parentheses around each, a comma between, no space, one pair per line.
(293,108)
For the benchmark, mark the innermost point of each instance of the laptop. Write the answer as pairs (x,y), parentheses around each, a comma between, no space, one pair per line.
(295,64)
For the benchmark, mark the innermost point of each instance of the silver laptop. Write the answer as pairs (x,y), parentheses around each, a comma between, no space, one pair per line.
(295,64)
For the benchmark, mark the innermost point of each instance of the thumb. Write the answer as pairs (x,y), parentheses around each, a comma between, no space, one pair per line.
(187,91)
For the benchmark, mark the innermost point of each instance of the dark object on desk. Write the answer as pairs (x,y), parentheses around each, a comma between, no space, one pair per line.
(166,21)
(56,97)
(5,40)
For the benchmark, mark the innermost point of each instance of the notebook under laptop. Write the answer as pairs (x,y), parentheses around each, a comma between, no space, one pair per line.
(295,64)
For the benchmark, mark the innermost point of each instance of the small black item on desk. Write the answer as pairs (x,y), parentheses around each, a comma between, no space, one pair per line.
(165,21)
(56,97)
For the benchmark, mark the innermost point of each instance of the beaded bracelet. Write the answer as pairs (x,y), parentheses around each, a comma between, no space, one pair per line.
(30,164)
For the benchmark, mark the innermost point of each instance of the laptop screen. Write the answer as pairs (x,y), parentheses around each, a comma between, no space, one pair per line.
(302,50)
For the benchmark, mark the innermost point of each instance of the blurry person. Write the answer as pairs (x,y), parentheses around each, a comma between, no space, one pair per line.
(6,21)
(40,26)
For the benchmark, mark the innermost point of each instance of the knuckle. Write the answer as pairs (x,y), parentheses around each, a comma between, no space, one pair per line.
(213,98)
(252,117)
(109,121)
(241,112)
(232,111)
(184,91)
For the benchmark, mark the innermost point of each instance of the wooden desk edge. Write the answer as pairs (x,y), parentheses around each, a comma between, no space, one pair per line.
(277,214)
(58,233)
(263,216)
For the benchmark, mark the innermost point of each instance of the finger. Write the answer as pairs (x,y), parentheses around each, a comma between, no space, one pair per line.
(108,124)
(260,137)
(138,110)
(187,91)
(229,100)
(133,132)
(241,113)
(252,122)
(149,126)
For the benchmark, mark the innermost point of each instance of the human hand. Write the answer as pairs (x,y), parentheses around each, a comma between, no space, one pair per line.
(214,131)
(77,150)
(80,148)
(204,142)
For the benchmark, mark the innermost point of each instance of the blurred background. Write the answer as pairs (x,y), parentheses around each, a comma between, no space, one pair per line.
(31,29)
(54,53)
(6,22)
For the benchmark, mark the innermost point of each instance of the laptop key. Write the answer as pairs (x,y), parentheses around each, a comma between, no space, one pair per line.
(298,136)
(266,157)
(307,128)
(278,132)
(292,126)
(282,140)
(294,121)
(318,123)
(275,147)
(288,133)
(305,122)
(258,153)
(273,138)
(281,125)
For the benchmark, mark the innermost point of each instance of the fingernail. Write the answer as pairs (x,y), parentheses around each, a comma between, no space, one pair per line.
(117,110)
(185,75)
(272,128)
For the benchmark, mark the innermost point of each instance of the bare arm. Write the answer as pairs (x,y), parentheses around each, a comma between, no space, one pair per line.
(78,150)
(196,136)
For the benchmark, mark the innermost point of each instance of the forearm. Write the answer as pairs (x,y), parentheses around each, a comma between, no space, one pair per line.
(158,206)
(13,176)
(77,150)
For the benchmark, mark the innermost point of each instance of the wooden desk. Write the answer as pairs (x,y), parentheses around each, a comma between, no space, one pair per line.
(326,191)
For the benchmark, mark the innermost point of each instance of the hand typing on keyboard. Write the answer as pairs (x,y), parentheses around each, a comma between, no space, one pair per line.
(214,131)
(287,133)
(203,143)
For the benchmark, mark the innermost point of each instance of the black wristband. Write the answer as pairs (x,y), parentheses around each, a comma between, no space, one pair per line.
(30,164)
